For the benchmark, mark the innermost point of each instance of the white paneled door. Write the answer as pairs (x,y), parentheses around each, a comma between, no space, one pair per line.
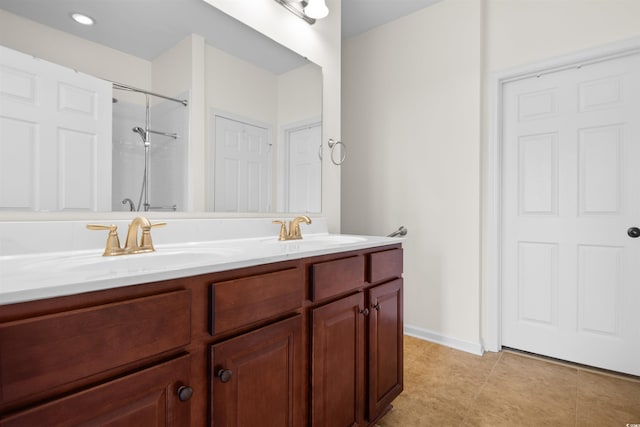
(242,158)
(304,168)
(55,137)
(570,194)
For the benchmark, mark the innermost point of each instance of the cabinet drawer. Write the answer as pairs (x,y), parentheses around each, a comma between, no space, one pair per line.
(336,277)
(145,398)
(240,302)
(385,265)
(45,352)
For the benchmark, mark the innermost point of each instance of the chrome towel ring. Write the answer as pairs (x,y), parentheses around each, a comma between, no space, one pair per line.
(332,145)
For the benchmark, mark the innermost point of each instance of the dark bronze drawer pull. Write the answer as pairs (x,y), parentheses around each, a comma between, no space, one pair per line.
(225,375)
(184,393)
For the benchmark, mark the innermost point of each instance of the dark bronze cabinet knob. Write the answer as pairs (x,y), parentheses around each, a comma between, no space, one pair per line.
(184,393)
(377,306)
(224,375)
(633,232)
(364,312)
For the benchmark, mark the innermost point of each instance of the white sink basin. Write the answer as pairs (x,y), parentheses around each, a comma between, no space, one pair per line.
(164,260)
(334,239)
(312,243)
(319,240)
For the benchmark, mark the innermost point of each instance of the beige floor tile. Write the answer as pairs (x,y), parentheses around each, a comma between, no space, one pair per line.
(440,384)
(524,391)
(607,401)
(446,387)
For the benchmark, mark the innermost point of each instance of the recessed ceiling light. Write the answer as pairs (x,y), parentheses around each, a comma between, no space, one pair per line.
(82,19)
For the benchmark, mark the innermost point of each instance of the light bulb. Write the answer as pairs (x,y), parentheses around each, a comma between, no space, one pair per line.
(81,18)
(316,9)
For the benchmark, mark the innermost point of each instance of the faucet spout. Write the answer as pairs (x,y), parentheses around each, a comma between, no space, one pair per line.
(132,244)
(294,227)
(130,202)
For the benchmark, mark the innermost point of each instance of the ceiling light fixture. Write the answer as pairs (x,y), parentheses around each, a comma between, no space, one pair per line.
(83,19)
(308,10)
(316,9)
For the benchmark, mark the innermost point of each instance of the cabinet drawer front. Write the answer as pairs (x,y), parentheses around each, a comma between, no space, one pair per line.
(240,302)
(336,277)
(385,265)
(143,399)
(41,353)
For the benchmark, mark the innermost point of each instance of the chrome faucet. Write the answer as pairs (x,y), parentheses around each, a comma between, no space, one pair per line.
(294,232)
(132,206)
(132,244)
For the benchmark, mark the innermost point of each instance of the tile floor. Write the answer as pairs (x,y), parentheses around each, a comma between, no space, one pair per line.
(446,387)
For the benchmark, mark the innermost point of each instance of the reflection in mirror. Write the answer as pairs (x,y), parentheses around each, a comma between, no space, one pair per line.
(253,113)
(260,120)
(149,149)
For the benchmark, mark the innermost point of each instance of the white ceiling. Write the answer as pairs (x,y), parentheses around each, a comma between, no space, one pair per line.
(359,16)
(145,28)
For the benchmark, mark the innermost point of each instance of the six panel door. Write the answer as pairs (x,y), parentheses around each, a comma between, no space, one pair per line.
(570,192)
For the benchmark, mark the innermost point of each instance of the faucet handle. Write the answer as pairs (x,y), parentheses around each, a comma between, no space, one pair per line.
(146,244)
(113,241)
(283,229)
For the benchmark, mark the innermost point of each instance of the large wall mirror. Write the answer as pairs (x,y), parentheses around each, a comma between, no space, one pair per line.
(195,90)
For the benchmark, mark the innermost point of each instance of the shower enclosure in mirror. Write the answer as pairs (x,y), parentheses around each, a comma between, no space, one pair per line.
(149,152)
(249,139)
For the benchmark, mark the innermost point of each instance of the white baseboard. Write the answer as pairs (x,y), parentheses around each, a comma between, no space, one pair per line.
(426,335)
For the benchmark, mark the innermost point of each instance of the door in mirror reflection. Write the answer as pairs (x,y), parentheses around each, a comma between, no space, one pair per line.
(242,153)
(303,169)
(55,132)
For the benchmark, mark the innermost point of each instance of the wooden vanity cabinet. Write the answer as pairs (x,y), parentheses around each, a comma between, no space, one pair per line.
(356,338)
(306,342)
(386,331)
(257,376)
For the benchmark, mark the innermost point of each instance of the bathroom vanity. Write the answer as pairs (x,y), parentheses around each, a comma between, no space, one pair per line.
(310,336)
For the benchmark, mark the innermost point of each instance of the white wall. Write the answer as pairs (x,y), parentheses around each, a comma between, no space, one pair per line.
(411,120)
(238,87)
(414,96)
(73,52)
(299,94)
(525,31)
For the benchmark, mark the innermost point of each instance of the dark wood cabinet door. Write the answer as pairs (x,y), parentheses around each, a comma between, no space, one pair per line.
(148,398)
(257,378)
(385,346)
(338,363)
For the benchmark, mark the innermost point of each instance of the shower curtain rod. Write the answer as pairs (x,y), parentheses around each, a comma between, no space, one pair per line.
(135,89)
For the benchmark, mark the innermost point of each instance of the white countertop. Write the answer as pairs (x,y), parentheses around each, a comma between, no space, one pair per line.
(32,276)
